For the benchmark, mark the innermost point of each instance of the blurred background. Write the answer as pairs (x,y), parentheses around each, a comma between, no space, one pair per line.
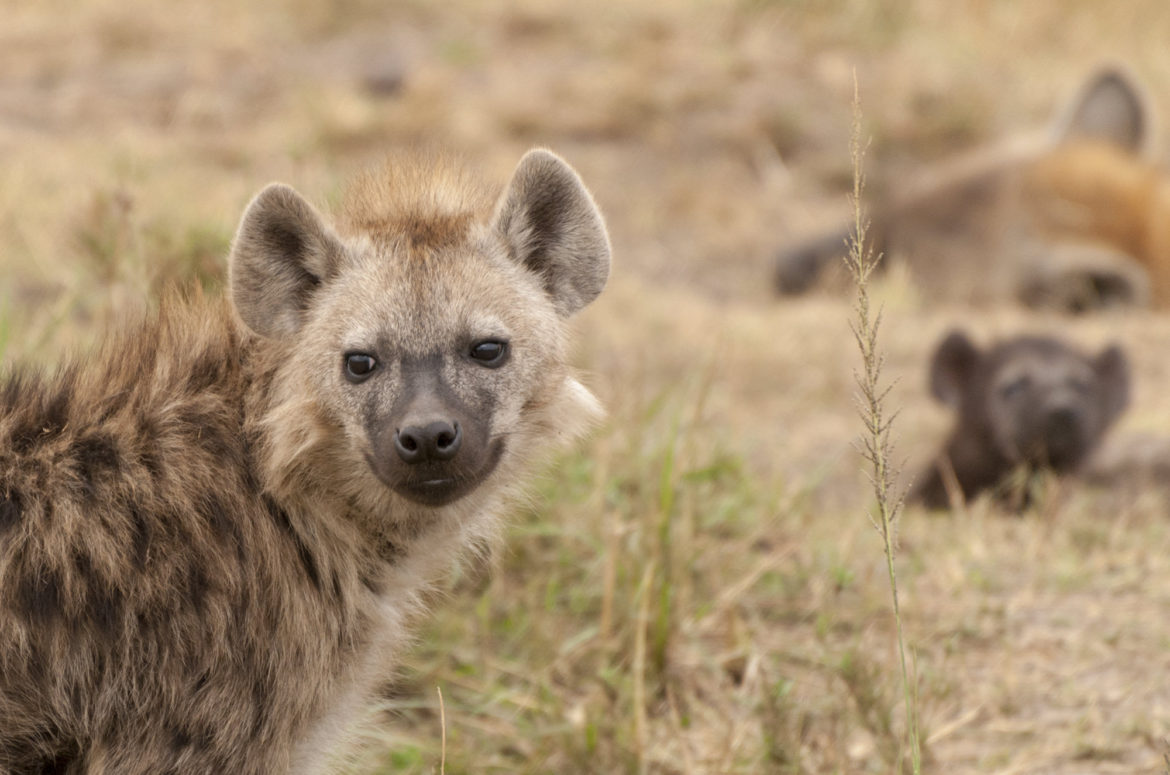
(698,588)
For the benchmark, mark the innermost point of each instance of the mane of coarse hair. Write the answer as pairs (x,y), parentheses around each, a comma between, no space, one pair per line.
(182,347)
(427,199)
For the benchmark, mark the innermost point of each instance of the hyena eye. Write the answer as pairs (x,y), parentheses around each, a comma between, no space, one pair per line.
(1015,387)
(359,366)
(489,352)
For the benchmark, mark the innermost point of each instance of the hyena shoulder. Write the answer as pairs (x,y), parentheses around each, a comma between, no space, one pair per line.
(130,524)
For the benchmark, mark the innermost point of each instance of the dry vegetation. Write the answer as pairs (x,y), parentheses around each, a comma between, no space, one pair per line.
(697,589)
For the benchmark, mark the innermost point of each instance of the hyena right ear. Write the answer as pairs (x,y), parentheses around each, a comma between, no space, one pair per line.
(953,364)
(553,228)
(1111,107)
(281,253)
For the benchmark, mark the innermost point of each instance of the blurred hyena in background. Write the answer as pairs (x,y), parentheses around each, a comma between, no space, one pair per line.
(1075,221)
(1022,405)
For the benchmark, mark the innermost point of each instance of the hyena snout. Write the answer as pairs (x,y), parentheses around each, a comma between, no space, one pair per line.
(433,452)
(1053,434)
(1064,435)
(437,440)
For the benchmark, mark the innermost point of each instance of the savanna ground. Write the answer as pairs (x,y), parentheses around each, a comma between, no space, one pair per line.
(696,589)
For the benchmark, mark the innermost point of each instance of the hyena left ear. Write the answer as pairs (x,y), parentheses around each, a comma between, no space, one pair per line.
(951,367)
(1112,369)
(1110,107)
(552,227)
(281,253)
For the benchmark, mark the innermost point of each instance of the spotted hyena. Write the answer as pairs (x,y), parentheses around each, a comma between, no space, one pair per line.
(215,531)
(1025,403)
(1075,220)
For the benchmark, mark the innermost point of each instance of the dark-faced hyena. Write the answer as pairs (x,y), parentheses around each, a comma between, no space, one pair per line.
(1029,402)
(1075,220)
(213,534)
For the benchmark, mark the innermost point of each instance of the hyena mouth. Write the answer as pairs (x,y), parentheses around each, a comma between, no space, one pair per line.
(1063,454)
(1063,441)
(441,485)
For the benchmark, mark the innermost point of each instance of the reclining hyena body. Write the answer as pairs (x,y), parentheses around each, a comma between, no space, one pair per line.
(213,536)
(1073,221)
(1025,404)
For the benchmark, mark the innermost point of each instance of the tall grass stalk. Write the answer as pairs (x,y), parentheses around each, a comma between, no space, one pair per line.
(443,730)
(876,444)
(665,554)
(641,740)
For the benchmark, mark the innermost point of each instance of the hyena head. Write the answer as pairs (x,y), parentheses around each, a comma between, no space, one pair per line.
(1039,401)
(422,337)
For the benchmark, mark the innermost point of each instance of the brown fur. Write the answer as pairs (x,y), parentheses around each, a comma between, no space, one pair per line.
(1097,192)
(1075,223)
(207,560)
(402,201)
(1027,403)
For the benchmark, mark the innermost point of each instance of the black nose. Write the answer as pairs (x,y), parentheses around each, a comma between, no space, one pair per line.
(1064,438)
(1062,421)
(437,440)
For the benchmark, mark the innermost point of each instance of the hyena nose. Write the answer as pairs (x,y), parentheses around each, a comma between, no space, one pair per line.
(1063,437)
(439,440)
(1062,420)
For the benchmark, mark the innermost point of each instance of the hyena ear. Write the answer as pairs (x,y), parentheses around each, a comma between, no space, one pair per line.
(1111,107)
(281,253)
(1112,368)
(951,367)
(552,227)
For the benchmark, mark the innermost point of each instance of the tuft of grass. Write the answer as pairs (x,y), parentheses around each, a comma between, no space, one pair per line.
(876,441)
(116,244)
(104,233)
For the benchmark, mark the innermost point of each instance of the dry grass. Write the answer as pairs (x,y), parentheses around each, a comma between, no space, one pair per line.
(696,591)
(876,443)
